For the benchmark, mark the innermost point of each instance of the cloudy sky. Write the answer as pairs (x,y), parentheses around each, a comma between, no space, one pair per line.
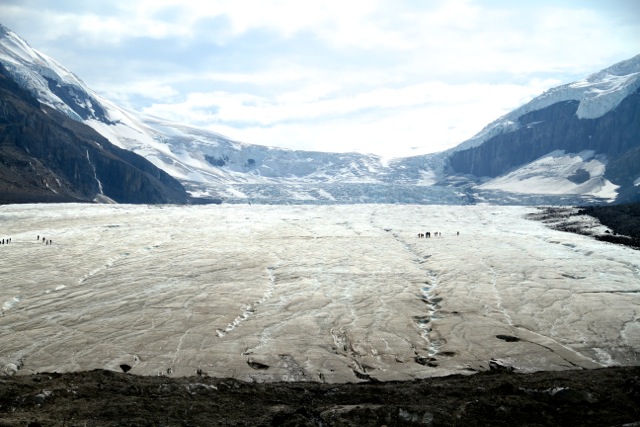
(390,77)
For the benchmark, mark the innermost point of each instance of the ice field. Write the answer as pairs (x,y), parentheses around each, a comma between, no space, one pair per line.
(321,293)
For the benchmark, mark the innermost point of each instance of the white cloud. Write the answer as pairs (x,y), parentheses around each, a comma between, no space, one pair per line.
(416,119)
(342,23)
(366,75)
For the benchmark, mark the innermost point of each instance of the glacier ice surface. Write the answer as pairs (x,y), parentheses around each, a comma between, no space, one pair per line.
(309,293)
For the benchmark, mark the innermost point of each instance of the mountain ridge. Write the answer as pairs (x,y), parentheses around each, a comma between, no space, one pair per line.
(47,157)
(210,165)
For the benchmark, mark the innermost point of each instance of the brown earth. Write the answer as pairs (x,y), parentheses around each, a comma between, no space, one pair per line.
(601,397)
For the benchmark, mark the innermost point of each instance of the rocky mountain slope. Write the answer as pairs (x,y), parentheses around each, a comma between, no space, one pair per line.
(578,139)
(48,157)
(574,144)
(589,154)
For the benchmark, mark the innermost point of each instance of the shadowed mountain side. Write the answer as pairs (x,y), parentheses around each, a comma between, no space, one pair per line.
(47,157)
(557,127)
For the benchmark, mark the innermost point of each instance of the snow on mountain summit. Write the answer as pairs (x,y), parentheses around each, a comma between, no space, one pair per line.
(38,72)
(601,92)
(597,94)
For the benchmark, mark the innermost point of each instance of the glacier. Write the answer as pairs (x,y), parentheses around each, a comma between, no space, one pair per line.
(333,293)
(213,167)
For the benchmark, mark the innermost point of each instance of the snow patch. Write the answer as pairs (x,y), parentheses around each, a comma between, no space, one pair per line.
(559,173)
(325,194)
(11,303)
(427,178)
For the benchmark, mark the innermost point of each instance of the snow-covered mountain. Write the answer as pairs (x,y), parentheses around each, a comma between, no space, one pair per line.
(207,163)
(580,139)
(45,156)
(597,95)
(212,166)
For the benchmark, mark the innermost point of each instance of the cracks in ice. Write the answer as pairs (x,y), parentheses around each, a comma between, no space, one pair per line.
(590,363)
(117,259)
(95,271)
(345,347)
(342,342)
(497,296)
(265,337)
(347,295)
(561,320)
(622,291)
(428,295)
(249,310)
(424,322)
(175,355)
(501,309)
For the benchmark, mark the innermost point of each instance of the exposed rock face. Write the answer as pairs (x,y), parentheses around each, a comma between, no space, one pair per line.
(557,127)
(47,157)
(73,96)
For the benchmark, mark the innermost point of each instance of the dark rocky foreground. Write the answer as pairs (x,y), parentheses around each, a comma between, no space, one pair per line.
(622,222)
(602,397)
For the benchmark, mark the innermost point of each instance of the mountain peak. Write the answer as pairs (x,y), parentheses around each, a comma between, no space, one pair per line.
(622,68)
(597,94)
